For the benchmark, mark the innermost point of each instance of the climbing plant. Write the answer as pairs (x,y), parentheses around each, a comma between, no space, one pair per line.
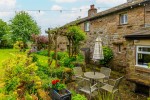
(108,55)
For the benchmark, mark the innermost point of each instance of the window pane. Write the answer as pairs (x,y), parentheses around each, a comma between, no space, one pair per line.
(87,26)
(125,18)
(121,19)
(143,59)
(144,49)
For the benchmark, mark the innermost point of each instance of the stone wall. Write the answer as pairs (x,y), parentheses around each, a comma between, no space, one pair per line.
(112,33)
(147,13)
(62,43)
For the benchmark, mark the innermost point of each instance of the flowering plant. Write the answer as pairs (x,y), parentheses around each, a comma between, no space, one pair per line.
(57,85)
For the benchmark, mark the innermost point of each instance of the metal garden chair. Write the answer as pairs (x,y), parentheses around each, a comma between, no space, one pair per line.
(78,71)
(112,86)
(86,87)
(106,72)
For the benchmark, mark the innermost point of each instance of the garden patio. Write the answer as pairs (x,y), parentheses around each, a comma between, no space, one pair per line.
(41,87)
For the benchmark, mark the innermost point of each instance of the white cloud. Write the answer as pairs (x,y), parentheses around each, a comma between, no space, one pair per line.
(111,2)
(6,8)
(7,4)
(65,1)
(67,17)
(56,7)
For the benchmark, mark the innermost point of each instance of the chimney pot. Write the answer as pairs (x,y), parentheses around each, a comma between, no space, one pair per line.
(92,11)
(92,6)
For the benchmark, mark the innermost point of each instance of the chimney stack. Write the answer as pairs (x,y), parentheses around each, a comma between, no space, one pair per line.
(129,1)
(92,11)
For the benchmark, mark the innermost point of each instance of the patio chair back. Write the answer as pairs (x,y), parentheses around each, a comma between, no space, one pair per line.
(117,82)
(105,71)
(86,87)
(78,71)
(86,84)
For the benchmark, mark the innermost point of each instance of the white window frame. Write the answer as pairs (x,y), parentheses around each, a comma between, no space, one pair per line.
(86,26)
(137,52)
(123,18)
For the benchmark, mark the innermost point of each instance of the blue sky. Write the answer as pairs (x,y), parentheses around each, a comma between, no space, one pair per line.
(71,10)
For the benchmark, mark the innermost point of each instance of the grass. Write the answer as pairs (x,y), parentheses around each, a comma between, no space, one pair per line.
(7,53)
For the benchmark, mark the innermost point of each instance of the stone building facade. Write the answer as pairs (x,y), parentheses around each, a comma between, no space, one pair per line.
(109,25)
(126,30)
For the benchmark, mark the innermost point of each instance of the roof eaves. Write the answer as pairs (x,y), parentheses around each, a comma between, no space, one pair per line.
(113,10)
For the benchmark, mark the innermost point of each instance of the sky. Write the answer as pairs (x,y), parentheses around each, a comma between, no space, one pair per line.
(53,13)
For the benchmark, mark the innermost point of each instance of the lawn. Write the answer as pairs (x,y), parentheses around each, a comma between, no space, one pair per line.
(7,53)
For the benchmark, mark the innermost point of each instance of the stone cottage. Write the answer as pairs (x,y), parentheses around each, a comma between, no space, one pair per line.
(125,29)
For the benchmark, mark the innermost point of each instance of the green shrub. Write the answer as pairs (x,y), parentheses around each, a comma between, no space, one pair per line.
(79,97)
(57,72)
(20,71)
(108,55)
(67,62)
(60,55)
(8,97)
(107,96)
(43,53)
(43,68)
(80,58)
(46,83)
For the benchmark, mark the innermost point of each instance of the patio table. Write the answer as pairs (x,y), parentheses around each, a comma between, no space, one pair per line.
(93,76)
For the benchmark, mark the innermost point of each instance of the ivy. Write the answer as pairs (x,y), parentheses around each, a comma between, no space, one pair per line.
(108,55)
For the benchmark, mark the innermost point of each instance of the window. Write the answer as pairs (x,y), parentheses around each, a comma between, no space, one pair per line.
(87,26)
(123,18)
(143,56)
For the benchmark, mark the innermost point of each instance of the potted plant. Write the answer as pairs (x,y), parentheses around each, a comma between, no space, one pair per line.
(59,91)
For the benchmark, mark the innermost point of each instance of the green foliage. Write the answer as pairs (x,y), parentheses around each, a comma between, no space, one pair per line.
(79,97)
(55,84)
(148,65)
(67,61)
(46,83)
(20,72)
(57,72)
(43,52)
(108,55)
(78,34)
(18,45)
(80,58)
(61,86)
(107,96)
(28,96)
(22,26)
(4,33)
(8,97)
(75,35)
(3,28)
(60,55)
(148,98)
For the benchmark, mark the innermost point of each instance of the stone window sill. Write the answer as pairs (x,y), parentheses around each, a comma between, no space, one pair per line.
(123,24)
(145,70)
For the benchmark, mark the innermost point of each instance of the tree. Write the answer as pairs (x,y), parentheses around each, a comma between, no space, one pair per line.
(40,40)
(75,35)
(23,26)
(4,32)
